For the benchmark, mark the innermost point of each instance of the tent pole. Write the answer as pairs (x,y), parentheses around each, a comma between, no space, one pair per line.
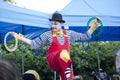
(23,32)
(0,53)
(98,57)
(0,48)
(54,75)
(22,57)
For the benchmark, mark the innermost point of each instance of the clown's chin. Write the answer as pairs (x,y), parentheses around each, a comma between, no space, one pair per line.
(54,29)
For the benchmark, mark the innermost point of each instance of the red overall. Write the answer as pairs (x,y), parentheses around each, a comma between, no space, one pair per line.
(53,57)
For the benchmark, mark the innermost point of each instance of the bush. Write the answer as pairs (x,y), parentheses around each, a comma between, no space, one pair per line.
(84,62)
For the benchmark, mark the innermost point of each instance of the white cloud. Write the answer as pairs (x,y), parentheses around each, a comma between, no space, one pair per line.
(48,6)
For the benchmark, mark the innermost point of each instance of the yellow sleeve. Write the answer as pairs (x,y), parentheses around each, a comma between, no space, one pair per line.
(20,37)
(94,26)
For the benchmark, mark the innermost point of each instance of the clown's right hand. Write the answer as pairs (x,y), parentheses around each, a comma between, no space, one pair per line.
(18,36)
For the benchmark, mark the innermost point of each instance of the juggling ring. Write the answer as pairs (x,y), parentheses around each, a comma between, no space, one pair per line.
(5,43)
(101,25)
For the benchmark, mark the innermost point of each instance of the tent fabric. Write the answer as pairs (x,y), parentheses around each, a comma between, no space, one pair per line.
(76,14)
(93,7)
(79,11)
(20,20)
(17,15)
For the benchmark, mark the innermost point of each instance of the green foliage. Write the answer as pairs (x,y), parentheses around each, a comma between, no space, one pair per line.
(84,62)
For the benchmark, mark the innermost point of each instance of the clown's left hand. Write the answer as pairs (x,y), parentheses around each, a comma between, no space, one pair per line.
(95,24)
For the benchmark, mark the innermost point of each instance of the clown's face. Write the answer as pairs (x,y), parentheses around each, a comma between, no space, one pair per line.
(56,26)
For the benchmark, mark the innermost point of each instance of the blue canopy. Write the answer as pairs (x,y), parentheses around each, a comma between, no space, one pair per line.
(20,20)
(76,14)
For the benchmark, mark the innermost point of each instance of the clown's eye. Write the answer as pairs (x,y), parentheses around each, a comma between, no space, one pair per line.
(55,24)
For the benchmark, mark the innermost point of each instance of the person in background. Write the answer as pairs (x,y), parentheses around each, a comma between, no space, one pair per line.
(31,75)
(58,40)
(117,61)
(8,71)
(100,75)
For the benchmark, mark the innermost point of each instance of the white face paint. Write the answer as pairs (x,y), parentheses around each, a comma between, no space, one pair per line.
(56,26)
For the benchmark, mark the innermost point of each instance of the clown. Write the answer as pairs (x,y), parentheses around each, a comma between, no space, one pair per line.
(58,40)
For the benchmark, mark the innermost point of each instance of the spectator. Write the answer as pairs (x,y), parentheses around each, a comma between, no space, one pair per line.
(31,75)
(117,61)
(8,71)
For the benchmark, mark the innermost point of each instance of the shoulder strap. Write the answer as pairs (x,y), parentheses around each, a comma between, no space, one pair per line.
(64,31)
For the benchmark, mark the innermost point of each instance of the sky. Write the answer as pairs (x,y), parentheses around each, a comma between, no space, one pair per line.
(48,6)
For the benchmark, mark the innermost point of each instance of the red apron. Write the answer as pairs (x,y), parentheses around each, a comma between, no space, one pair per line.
(53,57)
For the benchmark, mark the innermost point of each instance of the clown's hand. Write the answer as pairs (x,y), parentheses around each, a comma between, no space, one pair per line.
(95,24)
(18,36)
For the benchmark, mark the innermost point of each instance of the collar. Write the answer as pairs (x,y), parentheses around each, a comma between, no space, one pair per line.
(60,33)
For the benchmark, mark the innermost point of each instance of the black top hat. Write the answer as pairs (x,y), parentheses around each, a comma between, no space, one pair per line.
(57,17)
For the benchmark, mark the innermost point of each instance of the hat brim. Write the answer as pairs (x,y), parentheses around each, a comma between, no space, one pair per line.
(57,20)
